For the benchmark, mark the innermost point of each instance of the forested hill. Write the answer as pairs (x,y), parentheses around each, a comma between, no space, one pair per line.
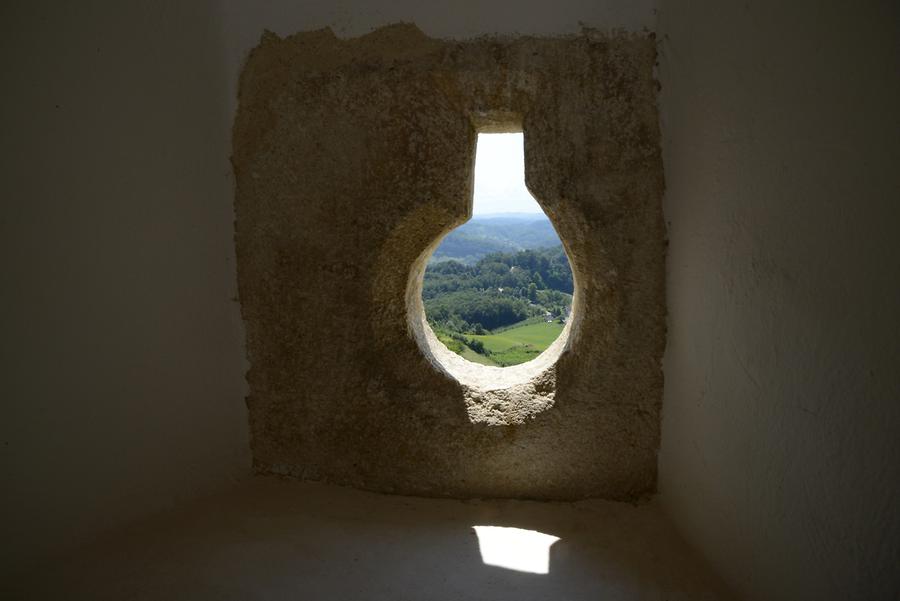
(486,234)
(499,290)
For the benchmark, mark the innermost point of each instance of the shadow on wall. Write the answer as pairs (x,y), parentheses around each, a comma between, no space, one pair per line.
(118,270)
(274,539)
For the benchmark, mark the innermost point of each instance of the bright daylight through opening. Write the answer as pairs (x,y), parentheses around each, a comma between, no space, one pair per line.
(498,289)
(515,548)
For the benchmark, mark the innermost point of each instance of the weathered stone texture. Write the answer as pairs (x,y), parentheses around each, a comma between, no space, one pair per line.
(352,158)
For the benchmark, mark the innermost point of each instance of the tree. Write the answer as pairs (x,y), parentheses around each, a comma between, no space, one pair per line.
(477,346)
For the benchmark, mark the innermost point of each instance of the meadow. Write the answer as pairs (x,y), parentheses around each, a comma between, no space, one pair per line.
(494,311)
(516,344)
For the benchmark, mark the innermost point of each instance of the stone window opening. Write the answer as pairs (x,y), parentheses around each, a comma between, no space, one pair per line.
(495,395)
(352,158)
(498,288)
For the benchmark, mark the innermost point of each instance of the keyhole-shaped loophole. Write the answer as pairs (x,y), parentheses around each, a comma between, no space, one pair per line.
(498,290)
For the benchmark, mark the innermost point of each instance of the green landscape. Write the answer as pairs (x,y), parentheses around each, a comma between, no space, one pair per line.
(499,308)
(506,232)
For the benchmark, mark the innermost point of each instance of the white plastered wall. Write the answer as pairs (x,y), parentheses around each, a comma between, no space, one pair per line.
(122,345)
(780,454)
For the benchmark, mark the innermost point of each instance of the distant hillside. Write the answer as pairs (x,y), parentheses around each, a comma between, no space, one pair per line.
(487,234)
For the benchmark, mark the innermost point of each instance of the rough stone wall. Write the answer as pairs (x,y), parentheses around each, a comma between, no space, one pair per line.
(353,157)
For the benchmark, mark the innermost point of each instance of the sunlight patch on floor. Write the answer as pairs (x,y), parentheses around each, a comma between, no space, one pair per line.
(515,548)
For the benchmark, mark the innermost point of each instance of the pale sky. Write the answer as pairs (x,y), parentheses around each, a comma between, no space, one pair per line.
(500,176)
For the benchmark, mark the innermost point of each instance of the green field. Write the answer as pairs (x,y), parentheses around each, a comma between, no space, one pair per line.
(474,357)
(517,344)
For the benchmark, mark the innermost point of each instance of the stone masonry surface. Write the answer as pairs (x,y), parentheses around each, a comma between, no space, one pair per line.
(352,158)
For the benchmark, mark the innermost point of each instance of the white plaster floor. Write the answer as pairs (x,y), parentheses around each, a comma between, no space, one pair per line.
(274,539)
